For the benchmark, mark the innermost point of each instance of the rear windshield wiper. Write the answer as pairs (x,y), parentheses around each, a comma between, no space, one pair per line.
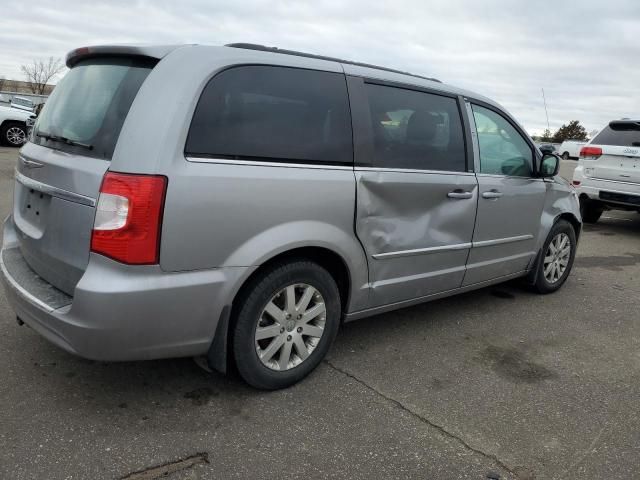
(59,138)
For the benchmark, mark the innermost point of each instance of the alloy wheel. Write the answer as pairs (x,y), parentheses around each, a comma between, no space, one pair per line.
(290,327)
(557,257)
(16,136)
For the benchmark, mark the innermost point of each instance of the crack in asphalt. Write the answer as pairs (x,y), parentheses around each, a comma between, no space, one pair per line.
(425,420)
(165,469)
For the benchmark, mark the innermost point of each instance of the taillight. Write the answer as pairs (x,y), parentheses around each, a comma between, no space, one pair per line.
(129,218)
(590,152)
(576,183)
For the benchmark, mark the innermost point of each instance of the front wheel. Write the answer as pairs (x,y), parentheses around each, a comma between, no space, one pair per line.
(286,321)
(13,134)
(558,253)
(565,156)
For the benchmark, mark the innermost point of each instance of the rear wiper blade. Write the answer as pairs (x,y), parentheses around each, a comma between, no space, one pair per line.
(59,138)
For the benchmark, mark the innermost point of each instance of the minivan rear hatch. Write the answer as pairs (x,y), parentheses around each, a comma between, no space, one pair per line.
(60,170)
(620,157)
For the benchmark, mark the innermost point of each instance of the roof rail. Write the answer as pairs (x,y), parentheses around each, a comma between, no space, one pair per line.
(263,48)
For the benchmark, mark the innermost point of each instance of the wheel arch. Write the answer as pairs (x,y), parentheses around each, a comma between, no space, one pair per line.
(573,220)
(219,357)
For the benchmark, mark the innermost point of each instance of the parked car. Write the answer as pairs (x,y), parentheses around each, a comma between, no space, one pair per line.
(571,148)
(547,148)
(13,126)
(262,199)
(608,173)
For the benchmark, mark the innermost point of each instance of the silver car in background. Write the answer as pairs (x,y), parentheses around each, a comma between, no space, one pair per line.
(240,202)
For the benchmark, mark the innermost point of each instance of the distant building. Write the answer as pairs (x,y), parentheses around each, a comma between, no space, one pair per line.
(18,86)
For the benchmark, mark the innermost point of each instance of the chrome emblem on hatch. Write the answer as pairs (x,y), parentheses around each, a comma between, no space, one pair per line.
(30,163)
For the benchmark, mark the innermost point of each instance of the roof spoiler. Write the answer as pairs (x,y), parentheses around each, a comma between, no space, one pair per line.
(157,52)
(622,125)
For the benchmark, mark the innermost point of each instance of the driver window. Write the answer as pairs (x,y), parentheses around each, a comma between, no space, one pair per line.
(503,151)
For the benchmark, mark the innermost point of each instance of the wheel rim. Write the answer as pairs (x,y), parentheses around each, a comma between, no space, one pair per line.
(556,259)
(16,136)
(290,327)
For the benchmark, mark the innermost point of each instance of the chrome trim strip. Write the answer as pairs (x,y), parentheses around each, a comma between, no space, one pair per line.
(258,163)
(422,251)
(54,191)
(495,175)
(412,170)
(20,289)
(500,241)
(447,248)
(635,184)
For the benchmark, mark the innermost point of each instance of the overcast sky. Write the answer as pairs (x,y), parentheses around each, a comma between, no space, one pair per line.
(583,53)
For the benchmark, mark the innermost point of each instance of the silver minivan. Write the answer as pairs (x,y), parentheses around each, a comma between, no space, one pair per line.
(241,202)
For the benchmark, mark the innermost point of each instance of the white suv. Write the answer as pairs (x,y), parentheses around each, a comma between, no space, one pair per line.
(608,174)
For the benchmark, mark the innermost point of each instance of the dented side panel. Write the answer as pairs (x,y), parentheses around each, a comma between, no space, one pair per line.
(417,239)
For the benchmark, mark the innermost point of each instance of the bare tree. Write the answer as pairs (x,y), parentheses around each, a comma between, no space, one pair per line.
(2,80)
(40,72)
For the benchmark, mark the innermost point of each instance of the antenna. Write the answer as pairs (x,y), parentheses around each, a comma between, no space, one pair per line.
(545,109)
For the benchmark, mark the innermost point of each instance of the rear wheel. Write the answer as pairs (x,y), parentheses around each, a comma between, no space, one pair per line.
(285,323)
(590,210)
(559,251)
(565,156)
(13,134)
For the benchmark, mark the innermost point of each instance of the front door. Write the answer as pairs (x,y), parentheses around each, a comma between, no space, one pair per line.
(510,200)
(416,201)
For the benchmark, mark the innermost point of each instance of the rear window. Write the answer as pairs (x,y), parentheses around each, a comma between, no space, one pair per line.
(273,114)
(86,110)
(627,134)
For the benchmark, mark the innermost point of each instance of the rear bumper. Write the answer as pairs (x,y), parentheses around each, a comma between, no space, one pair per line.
(119,312)
(591,187)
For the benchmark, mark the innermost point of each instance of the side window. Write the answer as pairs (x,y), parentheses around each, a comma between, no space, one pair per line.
(273,113)
(503,151)
(415,130)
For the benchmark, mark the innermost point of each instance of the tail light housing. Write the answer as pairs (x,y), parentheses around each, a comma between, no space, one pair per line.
(128,219)
(590,153)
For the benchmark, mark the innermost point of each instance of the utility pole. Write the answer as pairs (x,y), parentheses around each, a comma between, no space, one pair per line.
(545,109)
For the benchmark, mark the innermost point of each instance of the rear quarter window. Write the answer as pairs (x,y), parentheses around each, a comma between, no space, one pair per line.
(623,136)
(274,114)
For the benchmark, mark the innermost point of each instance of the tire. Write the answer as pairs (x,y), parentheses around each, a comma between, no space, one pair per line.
(565,156)
(261,361)
(13,134)
(547,279)
(590,211)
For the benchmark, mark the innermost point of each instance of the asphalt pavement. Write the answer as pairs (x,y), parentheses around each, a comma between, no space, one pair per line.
(496,383)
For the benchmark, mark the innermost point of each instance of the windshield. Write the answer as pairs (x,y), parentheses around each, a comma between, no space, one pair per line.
(87,108)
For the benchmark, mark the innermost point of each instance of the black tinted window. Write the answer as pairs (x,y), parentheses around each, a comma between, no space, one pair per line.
(623,135)
(273,113)
(415,130)
(90,104)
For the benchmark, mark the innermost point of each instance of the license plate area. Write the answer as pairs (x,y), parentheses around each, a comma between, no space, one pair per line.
(34,206)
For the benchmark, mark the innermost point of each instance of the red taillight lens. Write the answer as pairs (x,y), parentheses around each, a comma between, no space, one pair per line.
(576,183)
(129,218)
(590,152)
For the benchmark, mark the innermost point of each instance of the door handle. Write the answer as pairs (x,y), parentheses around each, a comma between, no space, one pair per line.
(492,194)
(460,194)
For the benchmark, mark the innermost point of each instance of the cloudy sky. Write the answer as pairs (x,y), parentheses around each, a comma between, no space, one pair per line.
(584,53)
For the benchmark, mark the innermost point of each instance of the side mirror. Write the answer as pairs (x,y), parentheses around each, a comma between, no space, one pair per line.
(550,165)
